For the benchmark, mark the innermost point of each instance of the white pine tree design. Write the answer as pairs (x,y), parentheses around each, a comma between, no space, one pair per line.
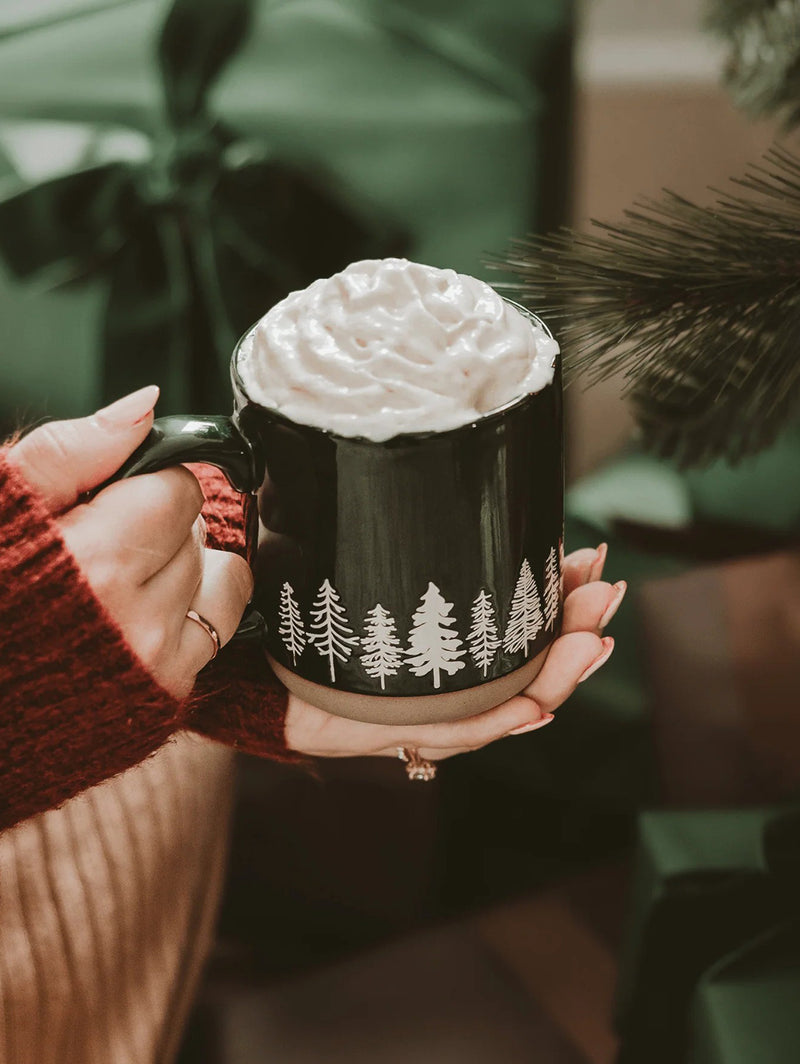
(329,631)
(433,647)
(525,619)
(381,645)
(291,628)
(552,588)
(483,639)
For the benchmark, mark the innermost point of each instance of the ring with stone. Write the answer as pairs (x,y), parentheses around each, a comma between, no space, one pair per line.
(417,767)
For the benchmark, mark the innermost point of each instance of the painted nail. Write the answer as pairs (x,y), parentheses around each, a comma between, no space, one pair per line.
(596,570)
(533,725)
(601,659)
(130,410)
(619,594)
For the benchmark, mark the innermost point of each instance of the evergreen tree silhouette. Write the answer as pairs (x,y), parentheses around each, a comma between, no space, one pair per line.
(552,589)
(525,618)
(291,628)
(381,645)
(433,646)
(483,639)
(329,631)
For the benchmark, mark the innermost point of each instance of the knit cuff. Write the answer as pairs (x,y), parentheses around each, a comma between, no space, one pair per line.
(237,699)
(76,704)
(239,702)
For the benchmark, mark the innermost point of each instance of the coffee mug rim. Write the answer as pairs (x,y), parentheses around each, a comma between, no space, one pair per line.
(400,437)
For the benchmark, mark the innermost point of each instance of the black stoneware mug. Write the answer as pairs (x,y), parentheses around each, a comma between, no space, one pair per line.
(402,582)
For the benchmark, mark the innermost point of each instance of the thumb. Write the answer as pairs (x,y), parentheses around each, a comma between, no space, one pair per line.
(62,459)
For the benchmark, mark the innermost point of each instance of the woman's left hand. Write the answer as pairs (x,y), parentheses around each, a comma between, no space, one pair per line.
(579,651)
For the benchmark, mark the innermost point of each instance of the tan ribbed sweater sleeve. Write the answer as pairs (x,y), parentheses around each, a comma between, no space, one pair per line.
(107,910)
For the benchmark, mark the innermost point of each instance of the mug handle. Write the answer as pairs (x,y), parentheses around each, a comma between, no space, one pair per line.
(216,440)
(211,438)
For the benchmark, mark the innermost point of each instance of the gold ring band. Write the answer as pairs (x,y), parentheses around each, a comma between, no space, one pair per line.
(417,768)
(207,627)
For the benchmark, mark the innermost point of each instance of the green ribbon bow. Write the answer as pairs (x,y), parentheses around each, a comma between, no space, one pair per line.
(197,240)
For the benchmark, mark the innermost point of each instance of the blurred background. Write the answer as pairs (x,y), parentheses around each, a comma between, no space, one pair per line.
(600,891)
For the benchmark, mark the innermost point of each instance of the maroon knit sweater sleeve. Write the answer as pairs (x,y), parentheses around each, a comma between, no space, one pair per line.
(76,704)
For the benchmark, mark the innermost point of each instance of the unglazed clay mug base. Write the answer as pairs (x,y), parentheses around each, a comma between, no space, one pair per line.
(416,709)
(407,581)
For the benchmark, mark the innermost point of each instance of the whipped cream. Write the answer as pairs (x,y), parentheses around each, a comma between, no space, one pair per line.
(389,346)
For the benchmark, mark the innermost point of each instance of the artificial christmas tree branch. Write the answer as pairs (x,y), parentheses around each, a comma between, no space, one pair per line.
(698,307)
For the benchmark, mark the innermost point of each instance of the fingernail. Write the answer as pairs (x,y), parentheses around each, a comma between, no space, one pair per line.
(533,725)
(619,594)
(202,529)
(596,570)
(601,659)
(130,410)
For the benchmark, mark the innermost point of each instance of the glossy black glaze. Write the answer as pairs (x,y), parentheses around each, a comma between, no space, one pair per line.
(379,521)
(211,438)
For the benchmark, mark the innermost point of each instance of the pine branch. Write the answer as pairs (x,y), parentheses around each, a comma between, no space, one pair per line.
(763,68)
(697,307)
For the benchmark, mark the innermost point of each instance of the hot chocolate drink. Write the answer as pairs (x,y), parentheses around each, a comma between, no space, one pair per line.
(417,420)
(390,346)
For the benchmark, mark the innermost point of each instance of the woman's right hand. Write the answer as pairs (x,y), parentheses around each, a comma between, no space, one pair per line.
(140,543)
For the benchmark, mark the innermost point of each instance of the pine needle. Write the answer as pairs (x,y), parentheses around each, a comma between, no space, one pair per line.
(697,307)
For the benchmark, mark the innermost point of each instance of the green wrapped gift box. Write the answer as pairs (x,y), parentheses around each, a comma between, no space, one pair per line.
(334,128)
(745,1008)
(710,886)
